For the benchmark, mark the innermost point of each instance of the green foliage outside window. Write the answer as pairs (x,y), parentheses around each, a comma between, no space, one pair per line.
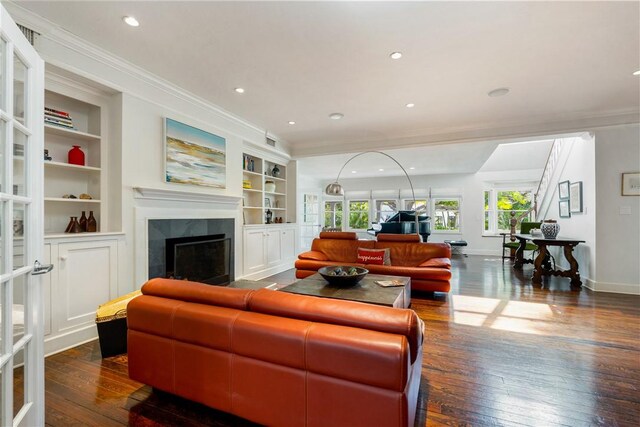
(447,214)
(359,215)
(507,201)
(333,214)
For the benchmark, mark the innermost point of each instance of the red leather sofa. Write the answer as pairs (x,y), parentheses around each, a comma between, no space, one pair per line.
(428,264)
(276,358)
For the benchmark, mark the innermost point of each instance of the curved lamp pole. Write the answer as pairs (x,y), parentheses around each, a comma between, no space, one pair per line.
(335,189)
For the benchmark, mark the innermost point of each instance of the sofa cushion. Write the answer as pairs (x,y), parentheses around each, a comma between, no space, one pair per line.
(391,237)
(374,256)
(340,312)
(437,262)
(342,251)
(414,254)
(435,273)
(339,235)
(201,293)
(314,255)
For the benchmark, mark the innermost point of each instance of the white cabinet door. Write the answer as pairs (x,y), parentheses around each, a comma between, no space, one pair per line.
(288,243)
(274,247)
(87,277)
(254,250)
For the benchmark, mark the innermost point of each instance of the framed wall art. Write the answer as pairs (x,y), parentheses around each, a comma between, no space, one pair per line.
(563,190)
(563,209)
(575,197)
(631,184)
(194,156)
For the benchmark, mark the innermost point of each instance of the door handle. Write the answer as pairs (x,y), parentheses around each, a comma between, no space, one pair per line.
(41,268)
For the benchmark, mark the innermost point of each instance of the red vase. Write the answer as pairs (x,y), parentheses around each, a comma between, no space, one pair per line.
(76,156)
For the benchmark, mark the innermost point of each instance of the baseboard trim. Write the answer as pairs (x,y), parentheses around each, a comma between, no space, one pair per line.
(268,272)
(61,342)
(614,288)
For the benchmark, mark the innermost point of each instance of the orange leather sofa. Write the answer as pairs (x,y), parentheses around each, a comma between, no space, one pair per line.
(276,358)
(428,264)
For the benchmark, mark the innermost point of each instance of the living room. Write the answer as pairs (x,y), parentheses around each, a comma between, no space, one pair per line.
(568,71)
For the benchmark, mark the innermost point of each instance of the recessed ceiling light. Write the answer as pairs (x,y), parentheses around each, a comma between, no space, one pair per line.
(336,116)
(130,20)
(637,73)
(239,90)
(353,171)
(380,170)
(292,122)
(395,55)
(410,105)
(501,91)
(412,168)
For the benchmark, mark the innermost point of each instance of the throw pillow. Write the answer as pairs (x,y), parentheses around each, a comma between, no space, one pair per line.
(374,256)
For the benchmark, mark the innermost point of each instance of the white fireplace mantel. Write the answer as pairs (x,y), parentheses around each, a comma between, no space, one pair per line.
(183,196)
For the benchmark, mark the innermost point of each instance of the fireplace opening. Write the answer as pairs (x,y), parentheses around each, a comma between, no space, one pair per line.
(205,259)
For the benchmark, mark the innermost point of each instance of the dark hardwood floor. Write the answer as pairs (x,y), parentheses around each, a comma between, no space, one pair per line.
(497,352)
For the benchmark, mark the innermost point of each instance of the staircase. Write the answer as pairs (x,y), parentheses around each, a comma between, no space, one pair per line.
(542,194)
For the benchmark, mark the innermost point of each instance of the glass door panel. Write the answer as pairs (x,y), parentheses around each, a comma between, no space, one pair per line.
(19,88)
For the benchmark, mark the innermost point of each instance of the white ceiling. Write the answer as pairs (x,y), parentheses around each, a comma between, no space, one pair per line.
(474,157)
(302,61)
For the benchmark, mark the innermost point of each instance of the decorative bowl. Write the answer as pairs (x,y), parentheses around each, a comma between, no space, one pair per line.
(332,274)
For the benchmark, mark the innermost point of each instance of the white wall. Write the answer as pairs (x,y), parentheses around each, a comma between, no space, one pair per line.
(577,163)
(618,234)
(136,156)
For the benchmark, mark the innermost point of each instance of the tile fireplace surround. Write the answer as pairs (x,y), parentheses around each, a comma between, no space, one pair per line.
(193,213)
(161,229)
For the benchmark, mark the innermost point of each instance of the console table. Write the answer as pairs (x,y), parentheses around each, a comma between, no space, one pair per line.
(541,264)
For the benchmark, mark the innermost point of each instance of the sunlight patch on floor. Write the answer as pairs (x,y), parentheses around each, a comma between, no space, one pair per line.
(514,316)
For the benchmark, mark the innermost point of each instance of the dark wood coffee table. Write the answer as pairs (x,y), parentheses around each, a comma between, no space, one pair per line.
(365,291)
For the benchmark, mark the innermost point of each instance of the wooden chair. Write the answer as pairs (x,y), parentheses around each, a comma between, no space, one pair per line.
(512,244)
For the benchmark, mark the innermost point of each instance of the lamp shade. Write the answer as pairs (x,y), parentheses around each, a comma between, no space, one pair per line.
(334,189)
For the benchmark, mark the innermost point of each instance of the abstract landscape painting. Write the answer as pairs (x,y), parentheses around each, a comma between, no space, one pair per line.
(194,156)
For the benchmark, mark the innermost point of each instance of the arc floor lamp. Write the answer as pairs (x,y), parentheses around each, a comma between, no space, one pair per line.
(335,189)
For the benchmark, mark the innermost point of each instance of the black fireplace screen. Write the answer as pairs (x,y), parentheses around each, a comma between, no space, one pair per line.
(203,259)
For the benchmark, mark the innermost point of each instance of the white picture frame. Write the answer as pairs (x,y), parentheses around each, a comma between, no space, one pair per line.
(575,197)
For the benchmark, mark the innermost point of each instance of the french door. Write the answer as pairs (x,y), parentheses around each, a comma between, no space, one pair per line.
(310,220)
(21,228)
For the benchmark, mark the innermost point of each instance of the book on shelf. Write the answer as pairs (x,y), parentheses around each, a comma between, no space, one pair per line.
(57,112)
(54,123)
(53,116)
(58,120)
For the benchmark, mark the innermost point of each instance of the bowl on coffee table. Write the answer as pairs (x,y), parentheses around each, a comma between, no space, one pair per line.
(343,275)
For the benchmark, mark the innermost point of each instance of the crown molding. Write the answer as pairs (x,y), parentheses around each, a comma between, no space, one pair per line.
(48,31)
(220,201)
(541,126)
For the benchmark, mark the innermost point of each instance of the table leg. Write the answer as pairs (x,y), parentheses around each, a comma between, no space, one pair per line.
(519,261)
(537,272)
(574,273)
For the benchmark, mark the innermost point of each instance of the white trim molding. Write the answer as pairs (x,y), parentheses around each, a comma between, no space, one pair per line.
(616,288)
(220,201)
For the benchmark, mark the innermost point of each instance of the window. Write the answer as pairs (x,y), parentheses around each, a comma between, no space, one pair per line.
(385,209)
(420,204)
(358,214)
(498,205)
(446,215)
(333,214)
(310,209)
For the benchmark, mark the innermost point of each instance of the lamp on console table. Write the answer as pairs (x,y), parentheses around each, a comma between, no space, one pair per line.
(335,189)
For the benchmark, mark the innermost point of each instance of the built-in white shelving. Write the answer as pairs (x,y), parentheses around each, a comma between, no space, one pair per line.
(258,177)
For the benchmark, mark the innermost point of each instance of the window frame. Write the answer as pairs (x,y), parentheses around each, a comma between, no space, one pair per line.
(347,226)
(334,203)
(376,212)
(493,206)
(432,206)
